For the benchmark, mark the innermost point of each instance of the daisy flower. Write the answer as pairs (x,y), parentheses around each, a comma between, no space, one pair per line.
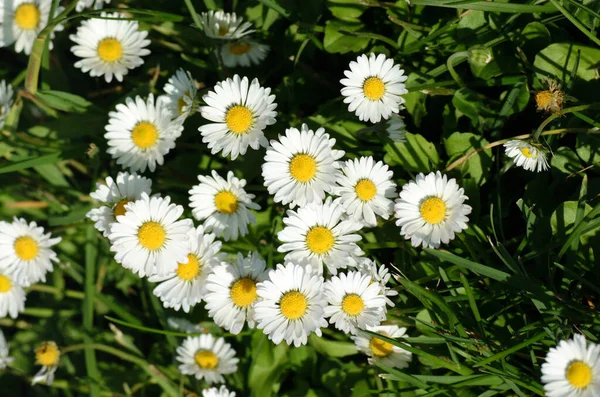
(431,209)
(319,234)
(301,166)
(526,155)
(25,251)
(244,52)
(355,302)
(214,392)
(181,91)
(186,286)
(380,351)
(365,189)
(291,304)
(232,291)
(48,356)
(224,25)
(12,296)
(97,4)
(373,87)
(116,194)
(5,359)
(572,369)
(109,47)
(148,239)
(206,357)
(223,205)
(396,128)
(6,101)
(239,112)
(379,275)
(140,133)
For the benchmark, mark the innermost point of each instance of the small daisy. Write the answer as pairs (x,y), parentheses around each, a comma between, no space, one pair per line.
(206,357)
(396,128)
(140,133)
(355,302)
(25,251)
(319,234)
(373,87)
(365,189)
(232,291)
(186,286)
(109,47)
(239,112)
(244,52)
(572,369)
(149,239)
(526,155)
(380,275)
(116,194)
(291,304)
(5,359)
(224,25)
(48,356)
(223,205)
(431,209)
(6,101)
(301,166)
(214,392)
(380,351)
(181,91)
(12,296)
(97,4)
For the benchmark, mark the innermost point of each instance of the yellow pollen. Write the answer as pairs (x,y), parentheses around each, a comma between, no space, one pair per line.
(144,134)
(380,348)
(26,248)
(293,305)
(27,16)
(226,202)
(206,359)
(47,354)
(365,189)
(303,167)
(579,374)
(243,292)
(526,152)
(238,119)
(110,50)
(352,304)
(319,239)
(433,210)
(120,207)
(223,30)
(189,271)
(543,99)
(374,88)
(181,102)
(239,48)
(5,284)
(152,235)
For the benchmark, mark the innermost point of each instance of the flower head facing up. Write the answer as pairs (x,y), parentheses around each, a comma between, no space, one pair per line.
(206,357)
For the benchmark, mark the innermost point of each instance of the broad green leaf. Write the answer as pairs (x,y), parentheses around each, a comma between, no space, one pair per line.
(268,363)
(588,148)
(477,166)
(64,101)
(563,219)
(336,42)
(348,10)
(558,61)
(416,154)
(533,38)
(564,159)
(31,162)
(332,348)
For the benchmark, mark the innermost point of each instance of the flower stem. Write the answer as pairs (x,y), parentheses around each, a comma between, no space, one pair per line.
(579,108)
(450,64)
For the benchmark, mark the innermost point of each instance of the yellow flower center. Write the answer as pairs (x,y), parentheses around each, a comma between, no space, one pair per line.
(239,48)
(365,189)
(380,348)
(293,305)
(110,50)
(26,248)
(223,30)
(27,16)
(119,209)
(47,354)
(526,151)
(226,202)
(206,359)
(543,99)
(144,134)
(5,284)
(352,304)
(243,292)
(433,210)
(238,119)
(319,239)
(152,235)
(303,167)
(579,374)
(181,102)
(189,271)
(374,88)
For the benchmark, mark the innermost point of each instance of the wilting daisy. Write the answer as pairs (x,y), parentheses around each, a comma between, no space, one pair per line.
(214,392)
(526,155)
(373,87)
(25,251)
(431,209)
(22,20)
(48,356)
(206,357)
(149,239)
(243,52)
(572,369)
(301,166)
(12,296)
(239,112)
(141,133)
(115,194)
(380,275)
(223,205)
(181,91)
(365,188)
(109,47)
(396,128)
(5,359)
(232,291)
(6,101)
(355,302)
(291,304)
(186,286)
(97,4)
(319,234)
(380,351)
(224,25)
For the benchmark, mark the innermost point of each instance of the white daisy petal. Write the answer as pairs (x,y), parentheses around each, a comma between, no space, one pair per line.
(380,351)
(5,359)
(6,101)
(97,4)
(48,356)
(396,128)
(206,357)
(12,301)
(244,52)
(526,155)
(220,392)
(224,25)
(181,91)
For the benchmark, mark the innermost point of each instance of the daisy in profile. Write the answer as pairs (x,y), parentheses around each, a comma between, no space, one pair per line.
(318,233)
(96,4)
(291,304)
(355,302)
(301,166)
(141,133)
(25,251)
(48,356)
(223,205)
(109,47)
(149,239)
(244,52)
(526,155)
(22,20)
(431,209)
(224,25)
(572,369)
(239,111)
(380,351)
(6,101)
(373,87)
(181,91)
(206,357)
(379,275)
(214,392)
(115,194)
(5,359)
(365,188)
(12,296)
(396,128)
(186,286)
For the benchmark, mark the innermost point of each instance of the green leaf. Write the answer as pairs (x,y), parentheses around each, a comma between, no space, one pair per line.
(477,166)
(416,154)
(348,10)
(563,219)
(267,365)
(331,348)
(64,101)
(336,42)
(487,6)
(558,60)
(31,162)
(588,148)
(533,38)
(478,268)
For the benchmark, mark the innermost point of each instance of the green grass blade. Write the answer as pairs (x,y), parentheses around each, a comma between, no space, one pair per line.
(91,254)
(511,350)
(478,268)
